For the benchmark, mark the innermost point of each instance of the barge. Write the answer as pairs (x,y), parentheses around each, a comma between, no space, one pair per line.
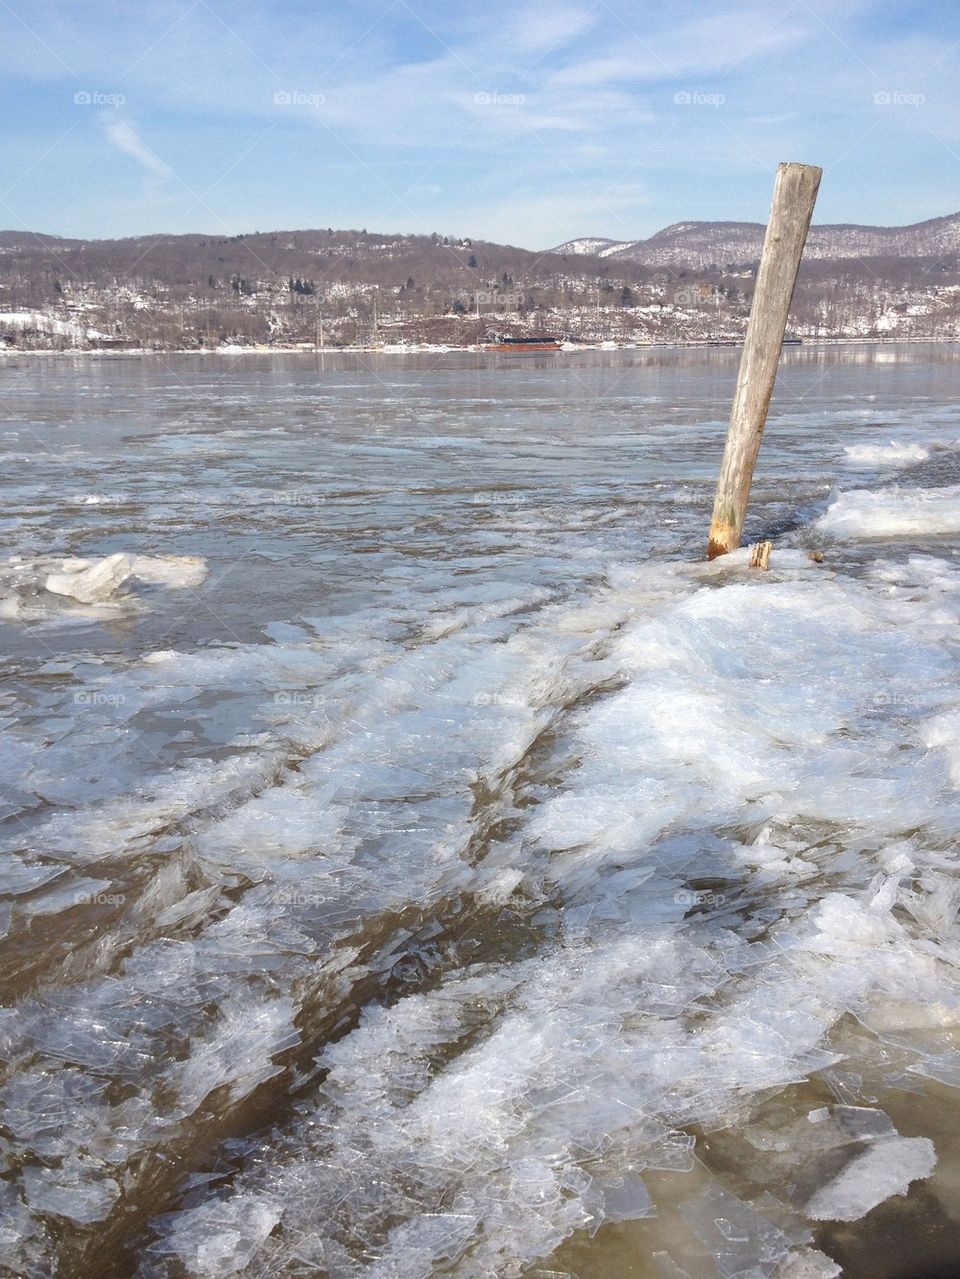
(523,346)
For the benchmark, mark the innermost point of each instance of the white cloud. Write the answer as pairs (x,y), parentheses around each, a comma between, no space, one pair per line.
(552,102)
(711,46)
(125,138)
(544,28)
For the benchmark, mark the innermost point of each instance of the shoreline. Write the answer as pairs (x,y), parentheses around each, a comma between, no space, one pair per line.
(694,344)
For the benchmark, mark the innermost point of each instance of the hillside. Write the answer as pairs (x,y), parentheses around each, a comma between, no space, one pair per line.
(692,281)
(700,244)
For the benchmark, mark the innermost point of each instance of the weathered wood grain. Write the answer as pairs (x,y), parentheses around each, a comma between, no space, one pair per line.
(794,196)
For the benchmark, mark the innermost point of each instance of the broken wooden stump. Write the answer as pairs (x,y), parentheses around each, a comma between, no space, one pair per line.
(760,555)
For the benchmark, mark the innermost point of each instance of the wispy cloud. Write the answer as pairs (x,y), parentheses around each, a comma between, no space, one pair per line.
(125,138)
(487,120)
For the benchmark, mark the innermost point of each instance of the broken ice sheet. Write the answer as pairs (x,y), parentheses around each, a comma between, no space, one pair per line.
(852,1123)
(18,876)
(51,1112)
(809,1263)
(794,1151)
(429,1107)
(218,1238)
(943,1067)
(78,1189)
(887,1168)
(823,1129)
(78,892)
(673,1152)
(432,1239)
(239,1052)
(741,1240)
(625,1196)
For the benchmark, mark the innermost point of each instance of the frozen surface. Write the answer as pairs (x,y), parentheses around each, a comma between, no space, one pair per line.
(808,1263)
(897,512)
(28,583)
(892,454)
(885,1169)
(91,583)
(403,868)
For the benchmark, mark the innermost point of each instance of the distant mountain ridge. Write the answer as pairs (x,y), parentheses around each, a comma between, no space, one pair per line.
(700,244)
(690,282)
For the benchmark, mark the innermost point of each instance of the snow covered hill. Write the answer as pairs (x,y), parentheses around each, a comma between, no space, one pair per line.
(700,244)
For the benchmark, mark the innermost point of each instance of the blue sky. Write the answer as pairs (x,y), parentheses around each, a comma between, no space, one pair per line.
(526,123)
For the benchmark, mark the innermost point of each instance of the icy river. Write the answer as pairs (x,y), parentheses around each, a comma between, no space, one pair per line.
(418,862)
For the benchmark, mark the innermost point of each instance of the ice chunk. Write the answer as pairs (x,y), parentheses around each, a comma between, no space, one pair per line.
(886,1168)
(742,1240)
(893,512)
(893,454)
(173,571)
(93,581)
(93,584)
(81,892)
(429,1240)
(936,907)
(46,1108)
(500,885)
(626,1198)
(18,876)
(240,1053)
(75,1190)
(852,1123)
(220,1238)
(809,1263)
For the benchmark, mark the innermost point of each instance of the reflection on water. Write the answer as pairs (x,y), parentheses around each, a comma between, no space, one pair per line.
(463,877)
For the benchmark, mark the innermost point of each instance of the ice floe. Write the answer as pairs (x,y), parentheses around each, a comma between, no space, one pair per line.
(893,512)
(886,1169)
(25,582)
(892,454)
(502,894)
(554,1083)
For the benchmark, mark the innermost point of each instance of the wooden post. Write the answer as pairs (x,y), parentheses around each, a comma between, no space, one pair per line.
(794,196)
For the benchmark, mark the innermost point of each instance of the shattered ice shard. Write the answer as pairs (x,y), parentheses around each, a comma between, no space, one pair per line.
(886,1168)
(93,584)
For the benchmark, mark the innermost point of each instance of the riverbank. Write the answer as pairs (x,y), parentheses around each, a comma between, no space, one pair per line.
(428,349)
